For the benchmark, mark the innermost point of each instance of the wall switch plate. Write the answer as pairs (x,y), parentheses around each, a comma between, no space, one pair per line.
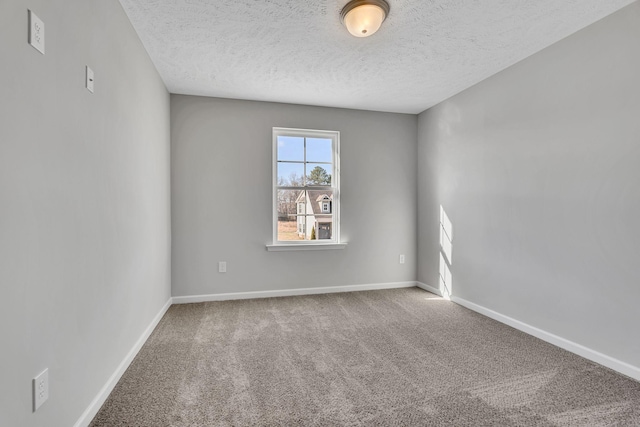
(222,267)
(40,389)
(36,32)
(401,259)
(89,80)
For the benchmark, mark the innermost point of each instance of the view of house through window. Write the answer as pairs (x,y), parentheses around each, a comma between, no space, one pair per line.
(306,189)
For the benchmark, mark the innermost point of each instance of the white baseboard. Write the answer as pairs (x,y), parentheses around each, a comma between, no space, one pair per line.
(290,292)
(429,288)
(580,350)
(96,404)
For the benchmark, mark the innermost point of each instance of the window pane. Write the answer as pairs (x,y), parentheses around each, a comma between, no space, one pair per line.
(291,148)
(305,215)
(288,201)
(318,174)
(290,174)
(319,150)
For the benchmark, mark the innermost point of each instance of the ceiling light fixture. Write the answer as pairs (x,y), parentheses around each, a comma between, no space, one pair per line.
(364,17)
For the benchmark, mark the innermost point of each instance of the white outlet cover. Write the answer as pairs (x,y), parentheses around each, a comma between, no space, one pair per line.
(222,267)
(36,32)
(40,389)
(89,80)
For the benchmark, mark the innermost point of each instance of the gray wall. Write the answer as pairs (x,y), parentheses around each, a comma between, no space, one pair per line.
(538,168)
(84,197)
(222,197)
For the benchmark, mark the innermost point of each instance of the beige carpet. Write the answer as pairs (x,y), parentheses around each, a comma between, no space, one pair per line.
(382,358)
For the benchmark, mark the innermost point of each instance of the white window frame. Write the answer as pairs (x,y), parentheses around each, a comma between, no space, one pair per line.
(334,242)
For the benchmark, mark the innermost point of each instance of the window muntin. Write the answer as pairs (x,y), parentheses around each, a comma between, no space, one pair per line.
(306,186)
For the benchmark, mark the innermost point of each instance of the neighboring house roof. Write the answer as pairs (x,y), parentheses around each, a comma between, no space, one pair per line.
(317,196)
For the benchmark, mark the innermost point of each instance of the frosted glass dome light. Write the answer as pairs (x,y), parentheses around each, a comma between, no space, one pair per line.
(364,17)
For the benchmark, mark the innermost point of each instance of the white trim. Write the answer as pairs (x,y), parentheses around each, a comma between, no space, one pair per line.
(306,247)
(291,292)
(95,405)
(429,288)
(580,350)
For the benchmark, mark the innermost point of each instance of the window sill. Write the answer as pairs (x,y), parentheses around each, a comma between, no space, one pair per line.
(306,247)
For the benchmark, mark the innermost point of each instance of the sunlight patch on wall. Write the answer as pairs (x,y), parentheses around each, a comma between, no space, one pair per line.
(446,251)
(445,279)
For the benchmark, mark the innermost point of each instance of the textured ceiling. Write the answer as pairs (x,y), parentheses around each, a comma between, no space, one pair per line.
(297,51)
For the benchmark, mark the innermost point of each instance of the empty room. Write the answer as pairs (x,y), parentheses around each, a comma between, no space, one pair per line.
(319,213)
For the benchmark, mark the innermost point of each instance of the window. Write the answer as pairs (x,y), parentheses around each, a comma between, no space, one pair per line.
(306,189)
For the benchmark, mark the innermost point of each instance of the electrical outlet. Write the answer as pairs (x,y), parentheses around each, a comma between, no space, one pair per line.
(40,389)
(222,267)
(36,32)
(401,259)
(89,80)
